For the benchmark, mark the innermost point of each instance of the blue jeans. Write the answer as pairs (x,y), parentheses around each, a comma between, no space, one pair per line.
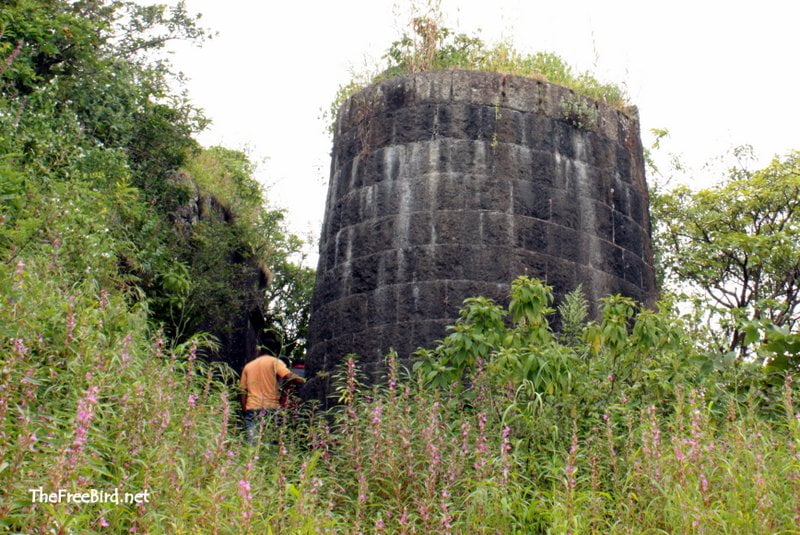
(256,422)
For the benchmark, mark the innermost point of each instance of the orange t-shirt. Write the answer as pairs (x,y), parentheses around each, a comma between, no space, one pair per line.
(260,382)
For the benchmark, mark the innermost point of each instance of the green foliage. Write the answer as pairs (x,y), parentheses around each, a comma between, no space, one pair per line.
(737,245)
(579,112)
(540,440)
(573,311)
(89,117)
(430,46)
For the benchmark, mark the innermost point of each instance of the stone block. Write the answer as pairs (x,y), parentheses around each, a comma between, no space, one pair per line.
(428,333)
(447,122)
(510,127)
(598,182)
(399,93)
(347,147)
(382,306)
(563,243)
(531,264)
(420,228)
(480,123)
(519,93)
(459,290)
(607,123)
(451,193)
(389,268)
(449,261)
(420,301)
(531,234)
(636,207)
(603,221)
(473,88)
(561,275)
(454,227)
(511,162)
(320,323)
(398,337)
(541,133)
(627,234)
(352,314)
(531,199)
(563,139)
(387,198)
(434,86)
(364,274)
(623,165)
(634,268)
(619,198)
(370,169)
(497,229)
(550,97)
(543,167)
(427,118)
(375,132)
(488,193)
(406,127)
(565,211)
(491,264)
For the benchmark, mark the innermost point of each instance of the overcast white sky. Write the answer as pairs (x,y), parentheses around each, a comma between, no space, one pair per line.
(716,74)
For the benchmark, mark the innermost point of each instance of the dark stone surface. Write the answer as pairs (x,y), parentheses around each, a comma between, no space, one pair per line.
(450,184)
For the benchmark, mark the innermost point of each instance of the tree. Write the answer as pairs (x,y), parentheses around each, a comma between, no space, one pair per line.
(97,155)
(738,244)
(288,299)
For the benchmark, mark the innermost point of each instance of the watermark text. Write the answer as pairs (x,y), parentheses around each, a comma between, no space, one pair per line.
(89,496)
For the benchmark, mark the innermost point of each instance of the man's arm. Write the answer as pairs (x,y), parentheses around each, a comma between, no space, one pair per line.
(294,378)
(286,374)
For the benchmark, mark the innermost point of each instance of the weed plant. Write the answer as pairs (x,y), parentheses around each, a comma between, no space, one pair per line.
(430,46)
(606,435)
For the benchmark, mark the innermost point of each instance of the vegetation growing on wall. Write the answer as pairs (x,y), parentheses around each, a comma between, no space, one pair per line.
(430,46)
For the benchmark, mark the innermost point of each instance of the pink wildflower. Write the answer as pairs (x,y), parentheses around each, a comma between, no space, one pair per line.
(125,354)
(83,419)
(376,416)
(505,448)
(247,498)
(19,274)
(703,483)
(481,446)
(19,347)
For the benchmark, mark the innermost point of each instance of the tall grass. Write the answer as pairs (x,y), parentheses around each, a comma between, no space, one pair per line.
(90,400)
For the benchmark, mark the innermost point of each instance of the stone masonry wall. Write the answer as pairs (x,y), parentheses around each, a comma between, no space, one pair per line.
(450,184)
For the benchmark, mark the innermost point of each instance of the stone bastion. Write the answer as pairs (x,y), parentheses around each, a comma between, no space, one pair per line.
(449,184)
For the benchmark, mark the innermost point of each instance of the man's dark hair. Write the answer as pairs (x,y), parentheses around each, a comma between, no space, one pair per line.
(285,360)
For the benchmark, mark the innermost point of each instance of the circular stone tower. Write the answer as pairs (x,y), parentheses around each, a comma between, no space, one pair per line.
(446,185)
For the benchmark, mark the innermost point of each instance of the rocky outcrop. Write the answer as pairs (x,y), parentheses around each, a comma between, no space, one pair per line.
(232,287)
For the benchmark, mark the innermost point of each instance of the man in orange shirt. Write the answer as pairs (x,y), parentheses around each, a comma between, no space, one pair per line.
(260,391)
